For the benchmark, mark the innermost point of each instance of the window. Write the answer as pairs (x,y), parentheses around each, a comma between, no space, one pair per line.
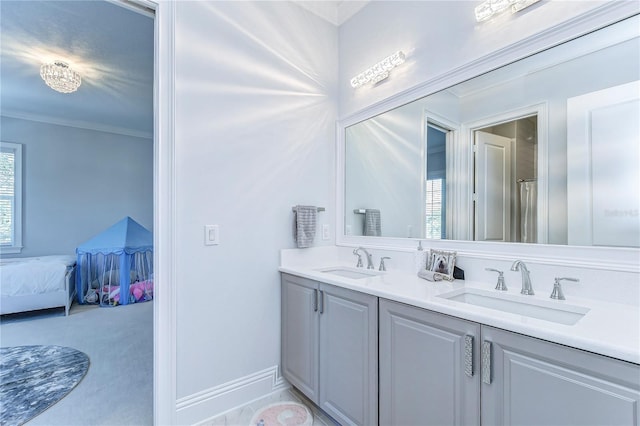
(435,184)
(10,197)
(434,212)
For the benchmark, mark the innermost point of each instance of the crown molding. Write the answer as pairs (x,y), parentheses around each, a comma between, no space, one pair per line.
(77,124)
(334,12)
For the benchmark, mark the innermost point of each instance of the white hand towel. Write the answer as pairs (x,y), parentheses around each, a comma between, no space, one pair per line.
(430,275)
(304,229)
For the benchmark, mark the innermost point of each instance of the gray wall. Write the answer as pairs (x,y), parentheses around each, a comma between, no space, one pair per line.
(77,182)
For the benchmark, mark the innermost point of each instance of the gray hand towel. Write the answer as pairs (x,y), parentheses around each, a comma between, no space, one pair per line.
(430,275)
(372,226)
(304,230)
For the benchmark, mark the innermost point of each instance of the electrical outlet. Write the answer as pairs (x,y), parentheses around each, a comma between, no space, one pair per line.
(325,232)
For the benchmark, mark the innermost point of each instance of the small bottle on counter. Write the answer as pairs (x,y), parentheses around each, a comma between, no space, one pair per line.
(420,258)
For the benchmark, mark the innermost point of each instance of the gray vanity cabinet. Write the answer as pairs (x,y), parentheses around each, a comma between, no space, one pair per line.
(429,367)
(330,348)
(300,334)
(520,380)
(435,369)
(533,382)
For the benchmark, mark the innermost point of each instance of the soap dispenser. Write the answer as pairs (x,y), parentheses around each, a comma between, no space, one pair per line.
(420,258)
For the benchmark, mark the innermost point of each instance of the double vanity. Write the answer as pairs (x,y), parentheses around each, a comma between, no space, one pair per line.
(496,162)
(372,347)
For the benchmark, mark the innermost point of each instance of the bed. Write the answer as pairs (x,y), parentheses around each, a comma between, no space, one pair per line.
(31,283)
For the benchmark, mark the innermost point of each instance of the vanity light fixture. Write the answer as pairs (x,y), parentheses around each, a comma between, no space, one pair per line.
(490,8)
(60,77)
(379,71)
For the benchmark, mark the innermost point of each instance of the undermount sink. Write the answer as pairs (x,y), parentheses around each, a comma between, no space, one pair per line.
(545,310)
(349,272)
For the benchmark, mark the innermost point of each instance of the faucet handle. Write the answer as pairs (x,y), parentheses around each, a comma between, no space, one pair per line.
(557,293)
(501,284)
(359,264)
(382,265)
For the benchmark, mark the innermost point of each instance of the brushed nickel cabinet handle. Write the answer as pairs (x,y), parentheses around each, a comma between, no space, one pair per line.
(468,355)
(486,362)
(321,302)
(315,300)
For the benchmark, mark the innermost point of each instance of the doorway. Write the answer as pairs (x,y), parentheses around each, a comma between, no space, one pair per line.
(505,196)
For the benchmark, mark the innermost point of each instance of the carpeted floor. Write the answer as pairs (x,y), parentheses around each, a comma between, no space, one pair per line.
(118,388)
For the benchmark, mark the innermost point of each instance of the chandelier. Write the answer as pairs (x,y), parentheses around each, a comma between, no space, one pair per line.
(60,77)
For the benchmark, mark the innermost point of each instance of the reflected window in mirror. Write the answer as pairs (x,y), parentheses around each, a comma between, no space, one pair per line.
(436,167)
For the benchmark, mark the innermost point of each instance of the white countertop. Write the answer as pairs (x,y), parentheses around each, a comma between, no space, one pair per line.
(610,329)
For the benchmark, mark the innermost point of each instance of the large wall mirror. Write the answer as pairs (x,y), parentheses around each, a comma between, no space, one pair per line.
(543,150)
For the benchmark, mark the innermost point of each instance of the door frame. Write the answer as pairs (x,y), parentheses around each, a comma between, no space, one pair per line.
(465,151)
(164,218)
(164,304)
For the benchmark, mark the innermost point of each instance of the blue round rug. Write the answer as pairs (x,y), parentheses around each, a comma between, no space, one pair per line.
(33,378)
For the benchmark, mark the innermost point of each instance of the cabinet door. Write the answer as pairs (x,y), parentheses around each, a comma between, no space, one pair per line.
(349,355)
(534,382)
(300,321)
(423,379)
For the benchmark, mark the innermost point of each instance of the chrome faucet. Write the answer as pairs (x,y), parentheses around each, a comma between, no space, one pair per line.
(383,267)
(557,288)
(359,264)
(519,265)
(369,258)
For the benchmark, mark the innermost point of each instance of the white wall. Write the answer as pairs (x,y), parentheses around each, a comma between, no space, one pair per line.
(77,182)
(256,102)
(436,36)
(255,135)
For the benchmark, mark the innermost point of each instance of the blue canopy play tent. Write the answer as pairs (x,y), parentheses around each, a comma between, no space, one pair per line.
(116,266)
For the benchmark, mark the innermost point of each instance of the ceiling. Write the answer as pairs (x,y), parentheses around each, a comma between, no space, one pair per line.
(110,46)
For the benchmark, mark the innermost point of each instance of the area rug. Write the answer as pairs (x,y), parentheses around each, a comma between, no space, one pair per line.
(282,414)
(33,378)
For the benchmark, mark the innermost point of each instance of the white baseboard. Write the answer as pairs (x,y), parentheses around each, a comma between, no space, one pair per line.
(209,403)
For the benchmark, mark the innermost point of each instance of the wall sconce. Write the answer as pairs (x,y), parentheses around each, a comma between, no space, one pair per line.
(490,8)
(379,71)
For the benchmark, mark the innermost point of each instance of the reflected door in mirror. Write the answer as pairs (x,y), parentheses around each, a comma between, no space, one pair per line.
(603,131)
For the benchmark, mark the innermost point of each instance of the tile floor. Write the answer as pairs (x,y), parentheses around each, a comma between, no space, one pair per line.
(242,416)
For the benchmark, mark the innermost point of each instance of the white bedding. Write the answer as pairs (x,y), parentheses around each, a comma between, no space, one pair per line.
(34,275)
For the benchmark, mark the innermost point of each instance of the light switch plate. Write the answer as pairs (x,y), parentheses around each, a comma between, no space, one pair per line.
(211,235)
(325,232)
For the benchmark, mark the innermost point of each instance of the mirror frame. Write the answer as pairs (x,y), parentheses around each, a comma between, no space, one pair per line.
(591,257)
